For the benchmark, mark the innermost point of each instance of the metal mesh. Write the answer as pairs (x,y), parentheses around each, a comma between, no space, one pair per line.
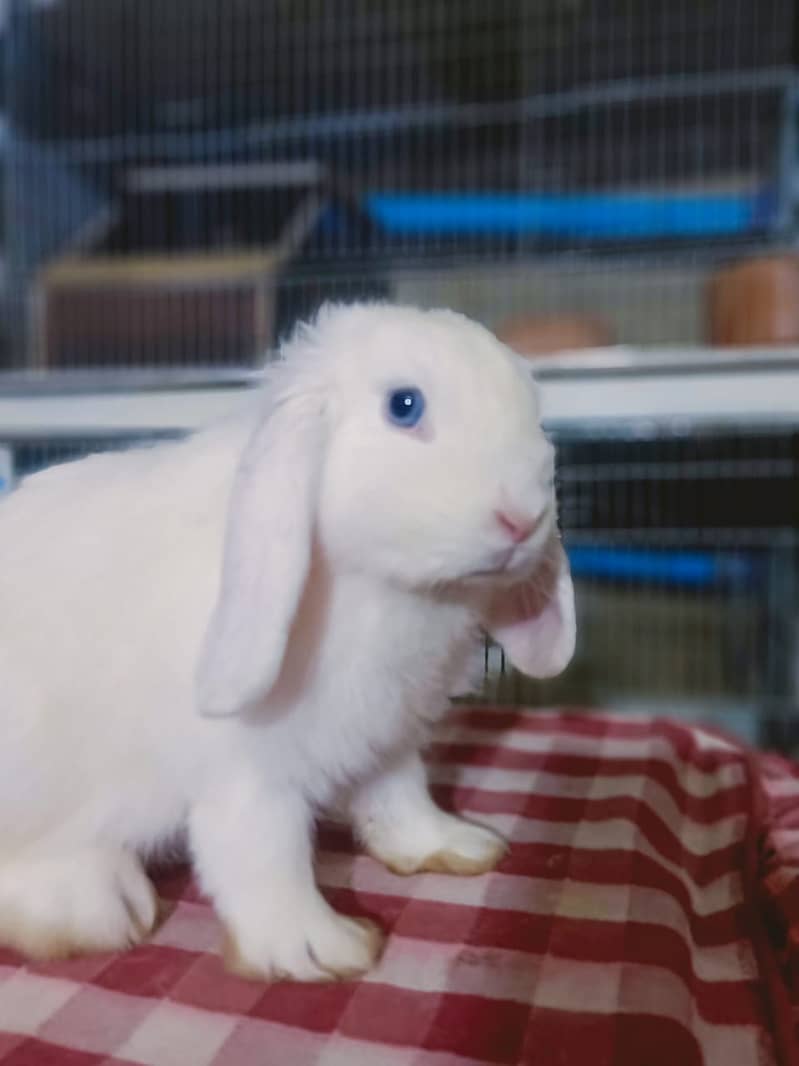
(684,546)
(241,160)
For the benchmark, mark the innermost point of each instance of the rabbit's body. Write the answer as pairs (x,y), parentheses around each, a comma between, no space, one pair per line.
(129,776)
(110,570)
(64,534)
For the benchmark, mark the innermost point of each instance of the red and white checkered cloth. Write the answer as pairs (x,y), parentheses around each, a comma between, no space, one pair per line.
(628,926)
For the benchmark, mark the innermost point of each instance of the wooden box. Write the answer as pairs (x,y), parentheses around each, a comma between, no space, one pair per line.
(148,310)
(142,287)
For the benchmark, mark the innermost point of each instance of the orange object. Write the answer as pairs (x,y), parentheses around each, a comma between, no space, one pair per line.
(543,334)
(755,302)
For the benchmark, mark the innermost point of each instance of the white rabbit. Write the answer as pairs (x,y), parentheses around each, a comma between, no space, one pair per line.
(223,636)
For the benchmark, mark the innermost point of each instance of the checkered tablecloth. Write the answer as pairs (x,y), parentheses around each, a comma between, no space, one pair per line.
(643,917)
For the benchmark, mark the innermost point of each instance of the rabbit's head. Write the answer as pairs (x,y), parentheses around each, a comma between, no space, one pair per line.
(408,446)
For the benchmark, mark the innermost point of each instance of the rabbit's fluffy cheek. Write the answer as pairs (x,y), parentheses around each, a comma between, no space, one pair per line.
(420,514)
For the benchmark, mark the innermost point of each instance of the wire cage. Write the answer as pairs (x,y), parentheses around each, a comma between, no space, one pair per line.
(683,545)
(182,181)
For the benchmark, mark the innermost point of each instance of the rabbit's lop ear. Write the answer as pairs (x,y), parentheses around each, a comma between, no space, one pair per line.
(535,621)
(267,557)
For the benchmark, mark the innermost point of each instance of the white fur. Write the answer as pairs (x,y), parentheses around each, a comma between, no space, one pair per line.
(309,577)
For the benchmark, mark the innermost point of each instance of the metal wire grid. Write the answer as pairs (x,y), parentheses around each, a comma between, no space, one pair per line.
(685,548)
(201,128)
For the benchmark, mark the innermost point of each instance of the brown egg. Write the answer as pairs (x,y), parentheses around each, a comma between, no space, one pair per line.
(755,302)
(544,334)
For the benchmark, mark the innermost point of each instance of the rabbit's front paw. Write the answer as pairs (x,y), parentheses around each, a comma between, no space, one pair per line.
(450,845)
(327,947)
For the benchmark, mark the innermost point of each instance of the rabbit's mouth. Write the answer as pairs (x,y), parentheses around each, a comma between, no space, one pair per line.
(510,564)
(502,563)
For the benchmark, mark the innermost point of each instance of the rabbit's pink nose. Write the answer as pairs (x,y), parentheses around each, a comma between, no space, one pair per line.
(518,526)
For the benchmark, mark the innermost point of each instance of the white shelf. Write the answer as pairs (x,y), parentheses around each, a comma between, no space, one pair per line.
(665,386)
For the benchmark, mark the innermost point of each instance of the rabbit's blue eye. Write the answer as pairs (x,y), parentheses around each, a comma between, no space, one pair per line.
(405,407)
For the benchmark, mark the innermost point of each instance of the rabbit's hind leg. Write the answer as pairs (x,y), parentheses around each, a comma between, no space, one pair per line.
(92,900)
